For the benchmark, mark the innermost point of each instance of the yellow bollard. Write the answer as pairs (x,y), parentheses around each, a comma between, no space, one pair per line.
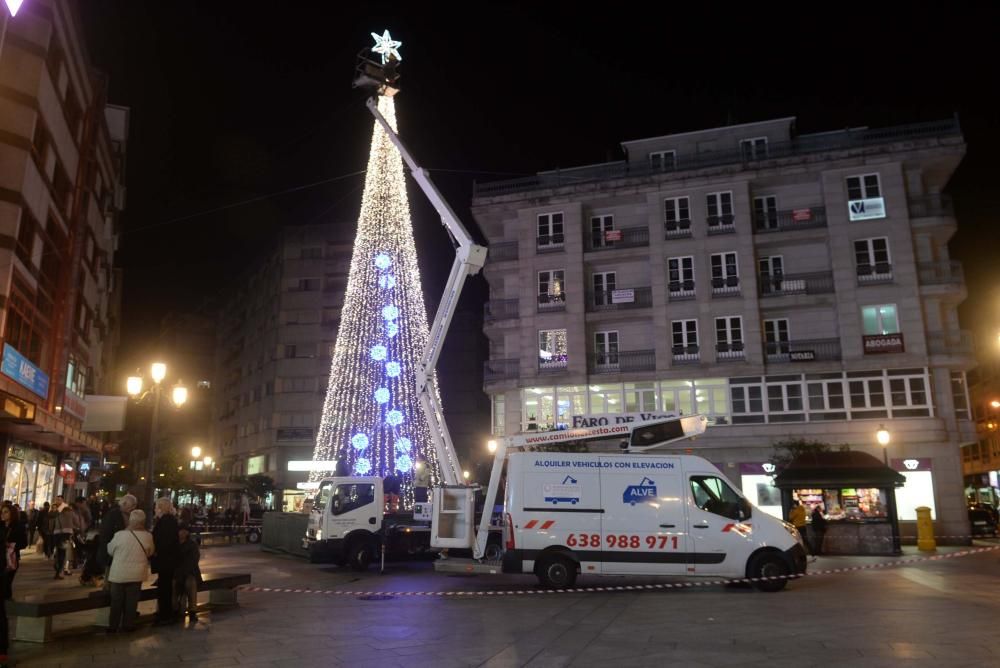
(925,530)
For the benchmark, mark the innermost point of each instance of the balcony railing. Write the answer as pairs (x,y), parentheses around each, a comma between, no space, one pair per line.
(616,300)
(872,274)
(678,229)
(502,252)
(500,309)
(721,224)
(549,243)
(680,290)
(622,362)
(630,237)
(931,205)
(807,350)
(726,287)
(939,273)
(774,285)
(550,302)
(552,363)
(800,146)
(685,354)
(501,369)
(950,343)
(792,219)
(729,352)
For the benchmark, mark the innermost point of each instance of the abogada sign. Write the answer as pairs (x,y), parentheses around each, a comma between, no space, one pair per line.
(606,419)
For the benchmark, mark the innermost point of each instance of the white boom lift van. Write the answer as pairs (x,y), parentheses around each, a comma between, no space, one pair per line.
(564,514)
(636,513)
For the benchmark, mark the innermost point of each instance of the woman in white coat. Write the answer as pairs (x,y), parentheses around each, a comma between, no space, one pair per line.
(130,550)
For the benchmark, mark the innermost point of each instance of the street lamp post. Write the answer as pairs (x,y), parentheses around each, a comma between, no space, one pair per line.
(157,372)
(883,437)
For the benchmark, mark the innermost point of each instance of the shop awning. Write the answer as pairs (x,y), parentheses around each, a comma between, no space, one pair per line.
(831,470)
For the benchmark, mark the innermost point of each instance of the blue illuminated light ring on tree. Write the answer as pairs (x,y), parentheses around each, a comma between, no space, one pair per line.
(363,466)
(383,261)
(392,329)
(404,464)
(382,395)
(390,312)
(378,353)
(392,369)
(403,445)
(394,418)
(359,441)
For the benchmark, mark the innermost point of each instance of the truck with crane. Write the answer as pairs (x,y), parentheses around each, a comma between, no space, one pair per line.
(630,513)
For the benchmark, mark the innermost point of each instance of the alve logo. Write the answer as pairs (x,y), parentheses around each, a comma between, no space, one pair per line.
(646,489)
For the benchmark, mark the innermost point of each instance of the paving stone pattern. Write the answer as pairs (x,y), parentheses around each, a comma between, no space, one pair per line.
(941,613)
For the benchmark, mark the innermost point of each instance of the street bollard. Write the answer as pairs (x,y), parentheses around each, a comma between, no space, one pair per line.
(925,530)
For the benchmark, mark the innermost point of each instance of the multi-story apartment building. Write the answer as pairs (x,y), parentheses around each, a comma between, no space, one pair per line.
(785,285)
(62,159)
(276,333)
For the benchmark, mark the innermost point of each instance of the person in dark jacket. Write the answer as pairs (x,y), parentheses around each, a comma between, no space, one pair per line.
(43,529)
(114,521)
(188,574)
(16,539)
(165,559)
(4,595)
(818,529)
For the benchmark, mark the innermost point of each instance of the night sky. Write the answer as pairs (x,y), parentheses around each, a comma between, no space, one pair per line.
(233,101)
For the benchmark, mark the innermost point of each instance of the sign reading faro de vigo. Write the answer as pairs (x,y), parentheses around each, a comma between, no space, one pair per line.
(606,419)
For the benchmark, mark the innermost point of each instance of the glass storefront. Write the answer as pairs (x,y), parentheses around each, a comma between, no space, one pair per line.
(544,408)
(848,503)
(29,476)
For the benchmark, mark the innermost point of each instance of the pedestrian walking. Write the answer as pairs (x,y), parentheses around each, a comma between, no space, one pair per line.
(44,516)
(63,525)
(165,559)
(130,550)
(5,594)
(32,522)
(797,516)
(818,529)
(188,573)
(16,539)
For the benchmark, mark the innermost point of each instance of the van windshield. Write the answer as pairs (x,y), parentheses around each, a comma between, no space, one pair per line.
(713,495)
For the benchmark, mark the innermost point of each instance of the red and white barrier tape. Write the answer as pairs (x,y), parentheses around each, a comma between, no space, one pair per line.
(620,588)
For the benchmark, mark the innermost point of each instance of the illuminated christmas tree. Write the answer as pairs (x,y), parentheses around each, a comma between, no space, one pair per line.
(372,421)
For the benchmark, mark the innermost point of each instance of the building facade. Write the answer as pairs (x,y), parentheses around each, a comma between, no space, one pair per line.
(788,286)
(981,459)
(62,160)
(276,332)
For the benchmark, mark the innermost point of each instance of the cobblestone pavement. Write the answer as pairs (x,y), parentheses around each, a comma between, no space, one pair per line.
(940,613)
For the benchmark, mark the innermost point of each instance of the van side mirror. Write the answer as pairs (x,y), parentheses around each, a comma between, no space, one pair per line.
(745,509)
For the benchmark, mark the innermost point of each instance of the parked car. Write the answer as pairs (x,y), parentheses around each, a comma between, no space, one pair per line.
(983,520)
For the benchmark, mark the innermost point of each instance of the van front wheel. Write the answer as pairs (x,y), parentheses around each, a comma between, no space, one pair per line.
(556,572)
(769,565)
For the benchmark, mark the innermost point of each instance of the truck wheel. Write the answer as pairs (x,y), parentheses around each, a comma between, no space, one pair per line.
(253,537)
(493,551)
(359,555)
(768,565)
(556,572)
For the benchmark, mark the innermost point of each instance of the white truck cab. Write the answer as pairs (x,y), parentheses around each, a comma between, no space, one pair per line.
(637,514)
(349,524)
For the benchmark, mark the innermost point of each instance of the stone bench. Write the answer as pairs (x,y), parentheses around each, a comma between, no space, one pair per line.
(34,613)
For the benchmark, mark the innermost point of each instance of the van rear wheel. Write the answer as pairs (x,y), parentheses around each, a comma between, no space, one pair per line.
(556,572)
(769,565)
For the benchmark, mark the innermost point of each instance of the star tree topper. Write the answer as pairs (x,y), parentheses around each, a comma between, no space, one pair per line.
(386,47)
